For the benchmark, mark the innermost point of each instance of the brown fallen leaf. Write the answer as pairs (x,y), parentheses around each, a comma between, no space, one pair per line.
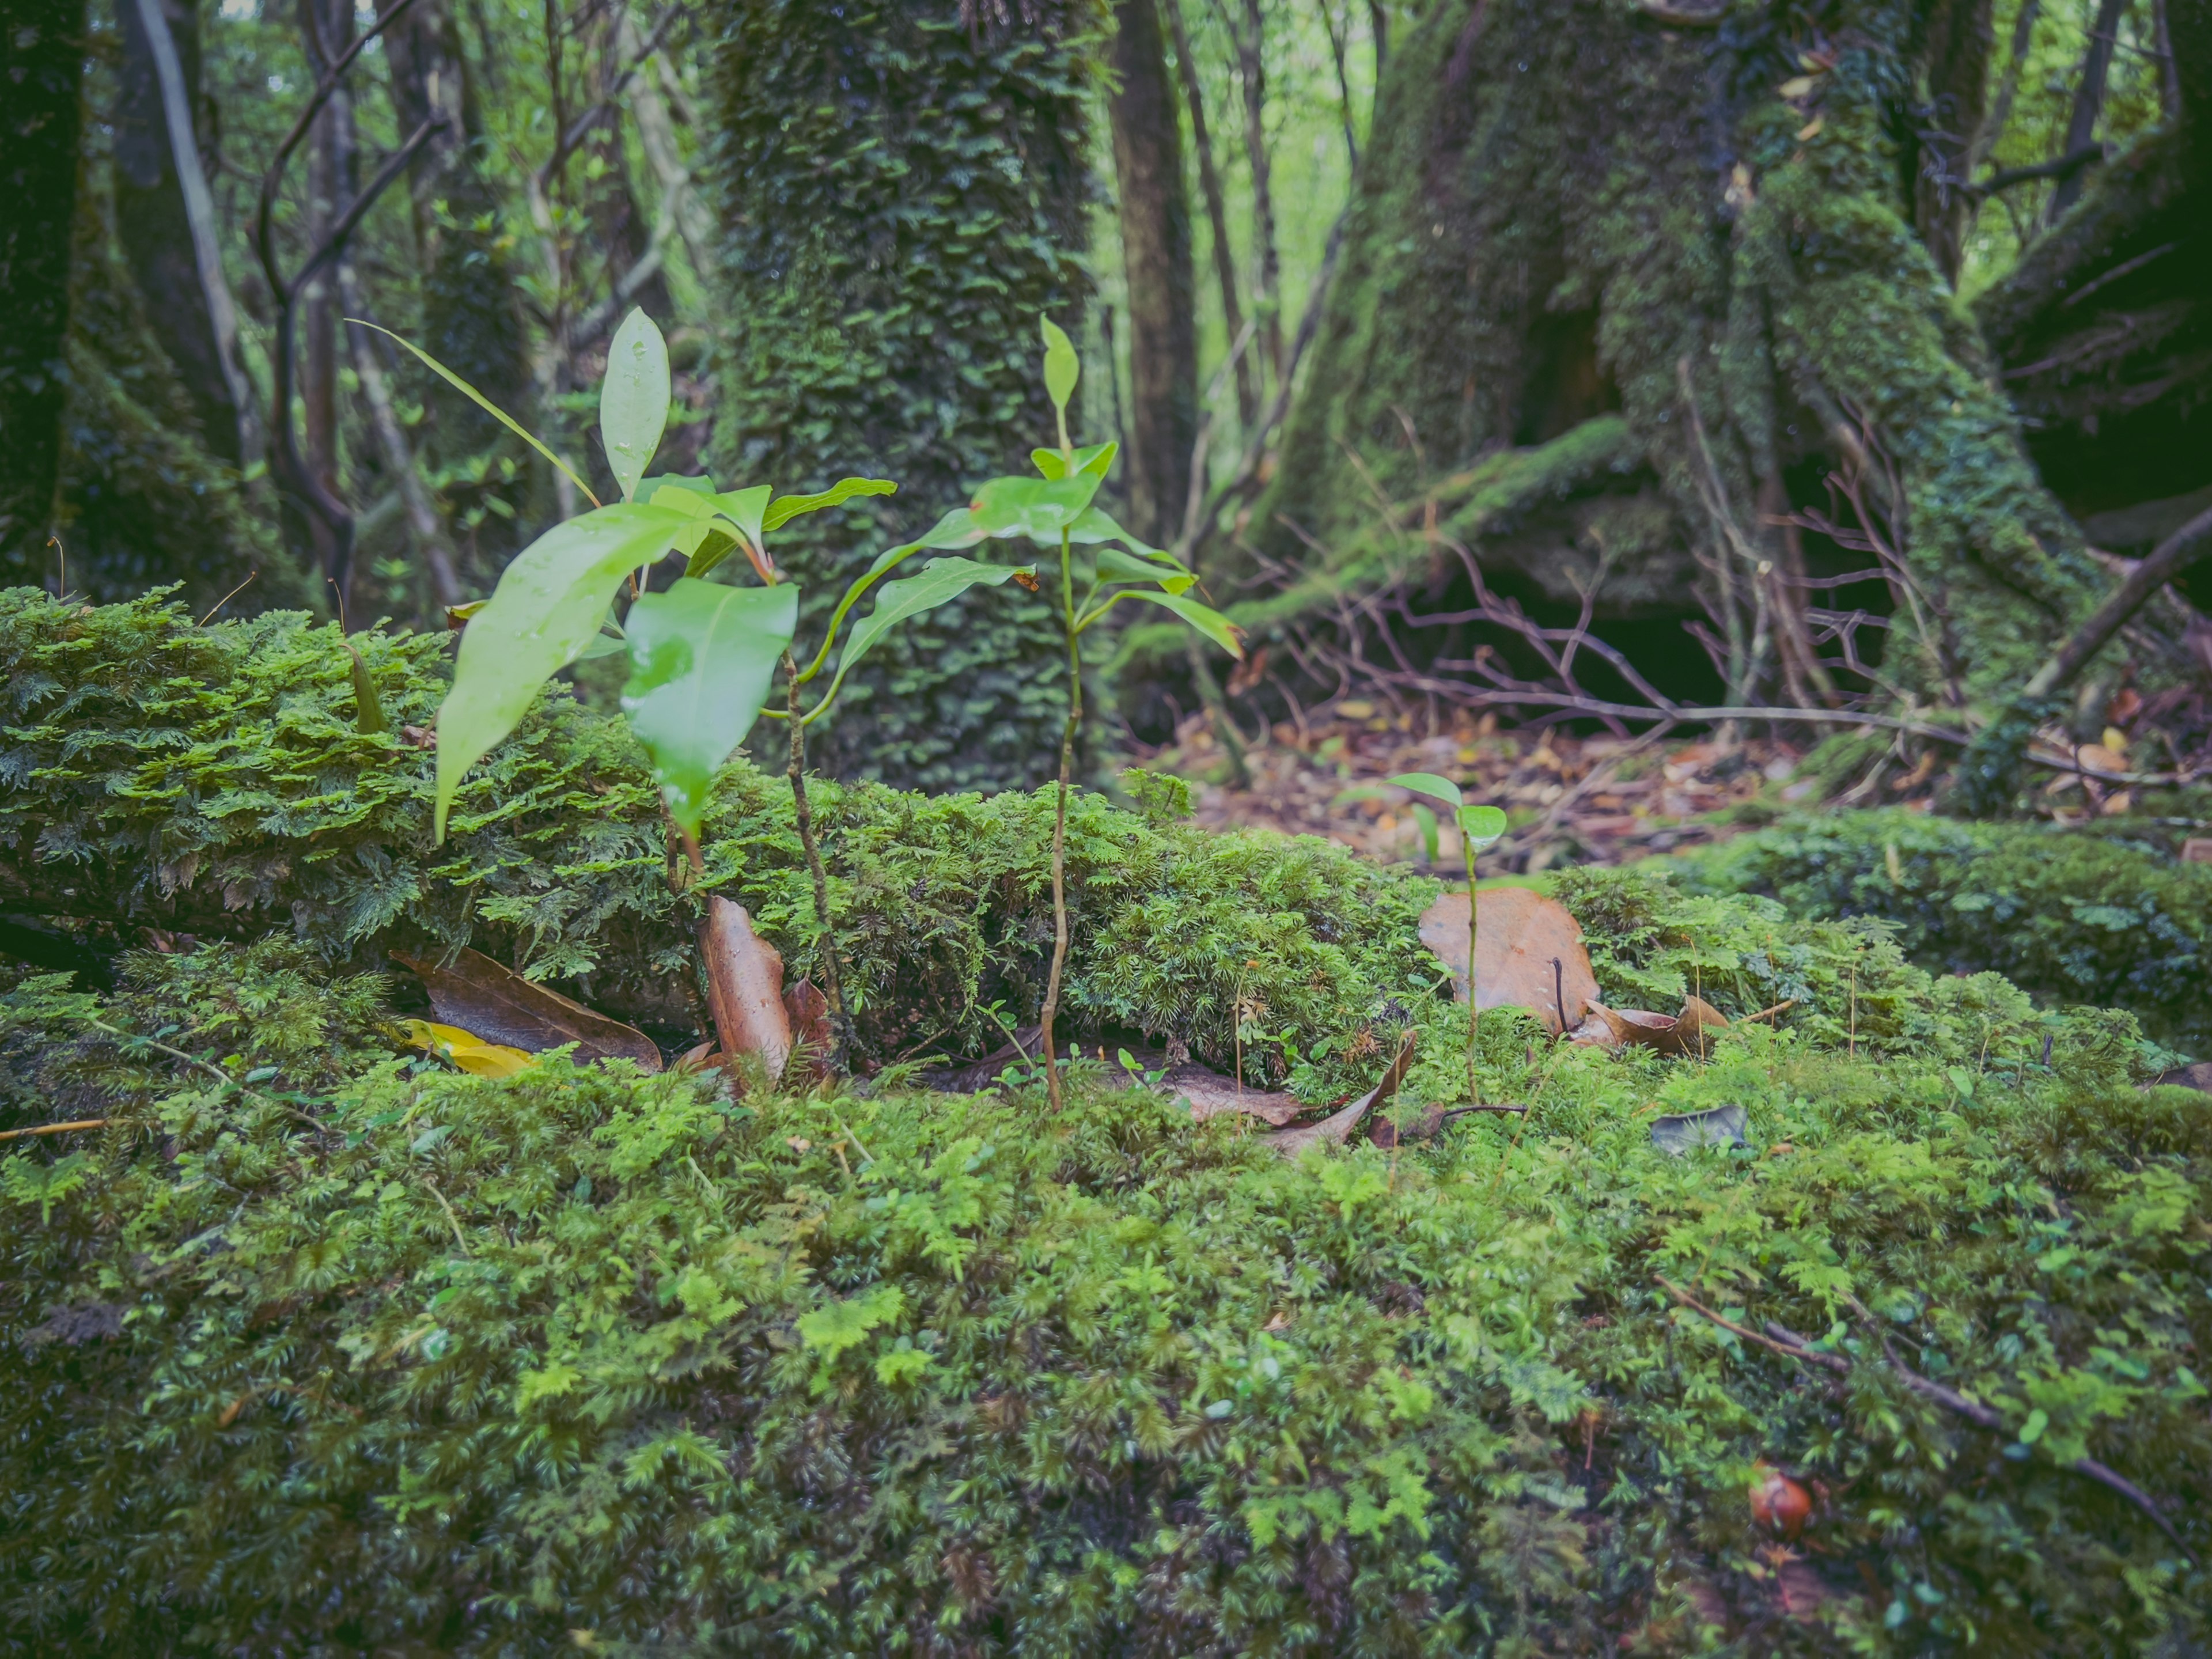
(495,1004)
(1212,1095)
(808,1011)
(1335,1129)
(1531,953)
(698,1058)
(745,988)
(1687,1034)
(1621,1027)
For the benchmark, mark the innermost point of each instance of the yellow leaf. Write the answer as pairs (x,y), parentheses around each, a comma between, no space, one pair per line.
(1800,86)
(2116,740)
(1811,129)
(466,1050)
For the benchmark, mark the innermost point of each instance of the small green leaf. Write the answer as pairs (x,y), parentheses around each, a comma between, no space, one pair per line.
(546,609)
(700,484)
(1428,783)
(785,508)
(1483,826)
(1427,820)
(956,529)
(485,404)
(1061,366)
(367,712)
(701,656)
(633,398)
(1039,508)
(2032,1430)
(941,581)
(1091,458)
(830,1330)
(1115,565)
(742,512)
(1204,617)
(694,497)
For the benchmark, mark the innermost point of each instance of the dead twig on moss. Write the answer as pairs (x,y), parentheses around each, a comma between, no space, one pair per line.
(55,1128)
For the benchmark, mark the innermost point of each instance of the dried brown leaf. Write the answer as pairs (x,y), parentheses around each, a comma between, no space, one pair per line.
(1335,1129)
(498,1006)
(1212,1095)
(1521,935)
(1688,1034)
(808,1011)
(744,988)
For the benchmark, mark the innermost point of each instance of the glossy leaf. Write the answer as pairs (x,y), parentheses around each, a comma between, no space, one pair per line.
(1091,458)
(546,610)
(1038,508)
(728,513)
(1117,566)
(956,529)
(1483,826)
(941,581)
(634,399)
(701,656)
(465,1050)
(1204,617)
(485,404)
(785,508)
(1062,367)
(367,712)
(1428,783)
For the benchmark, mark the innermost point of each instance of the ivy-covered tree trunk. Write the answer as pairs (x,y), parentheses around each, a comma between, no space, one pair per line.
(41,68)
(905,190)
(1622,282)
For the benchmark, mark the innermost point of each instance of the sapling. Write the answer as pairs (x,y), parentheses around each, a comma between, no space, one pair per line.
(702,654)
(1480,828)
(1055,509)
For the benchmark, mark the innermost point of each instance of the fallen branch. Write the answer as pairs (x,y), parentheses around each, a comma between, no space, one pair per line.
(2176,554)
(2059,166)
(1783,1340)
(55,1128)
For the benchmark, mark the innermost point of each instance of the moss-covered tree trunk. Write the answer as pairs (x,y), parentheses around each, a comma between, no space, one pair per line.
(41,70)
(905,190)
(1621,282)
(2105,327)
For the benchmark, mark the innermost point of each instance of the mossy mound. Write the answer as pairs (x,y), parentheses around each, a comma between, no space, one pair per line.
(2104,913)
(315,1349)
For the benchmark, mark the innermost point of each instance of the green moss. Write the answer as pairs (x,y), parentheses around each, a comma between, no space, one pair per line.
(363,1355)
(2102,916)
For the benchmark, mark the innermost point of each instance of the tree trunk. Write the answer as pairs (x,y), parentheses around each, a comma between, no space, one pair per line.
(1155,212)
(154,227)
(2088,99)
(2103,328)
(1607,275)
(906,190)
(1217,215)
(42,67)
(472,321)
(330,183)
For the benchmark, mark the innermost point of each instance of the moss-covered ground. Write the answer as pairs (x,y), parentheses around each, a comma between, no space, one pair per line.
(315,1346)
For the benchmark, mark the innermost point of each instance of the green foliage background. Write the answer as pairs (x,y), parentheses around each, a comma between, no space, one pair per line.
(904,194)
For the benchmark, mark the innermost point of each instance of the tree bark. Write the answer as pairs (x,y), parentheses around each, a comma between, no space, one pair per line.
(154,225)
(41,66)
(1217,217)
(330,192)
(1560,205)
(2088,99)
(1252,74)
(1155,256)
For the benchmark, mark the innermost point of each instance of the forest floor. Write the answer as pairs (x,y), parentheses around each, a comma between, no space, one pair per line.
(1573,799)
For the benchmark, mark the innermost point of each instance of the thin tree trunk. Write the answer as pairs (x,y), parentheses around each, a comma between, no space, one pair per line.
(1252,71)
(624,239)
(422,520)
(656,134)
(1378,23)
(40,121)
(2089,100)
(1156,254)
(330,192)
(1992,130)
(1216,214)
(165,218)
(1336,51)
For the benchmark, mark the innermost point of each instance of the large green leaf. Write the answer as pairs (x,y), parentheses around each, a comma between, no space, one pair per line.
(1038,508)
(1204,617)
(700,658)
(735,517)
(785,508)
(1483,826)
(485,404)
(941,581)
(548,605)
(634,399)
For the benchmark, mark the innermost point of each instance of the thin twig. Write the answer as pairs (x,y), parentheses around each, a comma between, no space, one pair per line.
(57,1128)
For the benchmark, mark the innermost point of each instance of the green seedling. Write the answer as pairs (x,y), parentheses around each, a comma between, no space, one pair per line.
(702,653)
(1480,828)
(1055,509)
